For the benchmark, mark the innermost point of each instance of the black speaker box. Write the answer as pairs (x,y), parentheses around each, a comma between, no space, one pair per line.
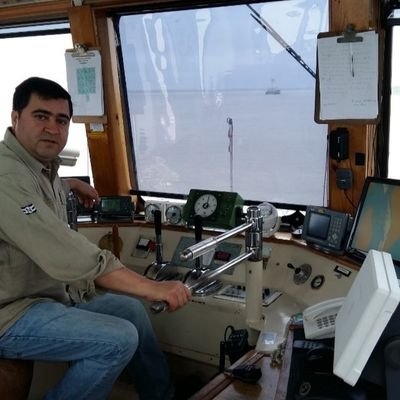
(339,144)
(344,178)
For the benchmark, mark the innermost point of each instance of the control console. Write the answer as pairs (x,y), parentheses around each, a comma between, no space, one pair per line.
(238,293)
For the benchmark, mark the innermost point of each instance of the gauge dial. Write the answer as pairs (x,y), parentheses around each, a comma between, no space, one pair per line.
(205,205)
(173,214)
(217,209)
(149,212)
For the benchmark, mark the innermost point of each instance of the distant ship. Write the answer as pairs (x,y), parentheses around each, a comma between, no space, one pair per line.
(273,89)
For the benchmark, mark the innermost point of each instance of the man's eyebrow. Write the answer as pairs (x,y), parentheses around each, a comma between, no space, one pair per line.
(46,112)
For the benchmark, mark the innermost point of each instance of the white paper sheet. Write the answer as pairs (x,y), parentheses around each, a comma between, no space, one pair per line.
(348,77)
(84,80)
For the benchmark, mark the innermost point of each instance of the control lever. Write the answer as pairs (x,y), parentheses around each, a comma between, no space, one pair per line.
(161,306)
(201,263)
(157,270)
(157,227)
(196,272)
(301,273)
(198,230)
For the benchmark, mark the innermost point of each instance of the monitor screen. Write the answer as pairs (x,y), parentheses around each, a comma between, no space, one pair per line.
(325,229)
(318,225)
(377,221)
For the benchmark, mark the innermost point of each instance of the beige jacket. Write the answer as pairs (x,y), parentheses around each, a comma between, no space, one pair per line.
(41,259)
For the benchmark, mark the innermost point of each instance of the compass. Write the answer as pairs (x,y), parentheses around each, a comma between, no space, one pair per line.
(218,209)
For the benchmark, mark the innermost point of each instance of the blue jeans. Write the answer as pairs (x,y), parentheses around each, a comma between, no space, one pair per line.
(99,339)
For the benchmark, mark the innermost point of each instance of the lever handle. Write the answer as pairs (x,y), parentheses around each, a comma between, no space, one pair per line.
(158,307)
(296,269)
(157,227)
(198,230)
(157,222)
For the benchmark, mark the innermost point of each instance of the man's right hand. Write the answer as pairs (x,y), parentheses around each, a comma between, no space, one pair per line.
(175,293)
(124,280)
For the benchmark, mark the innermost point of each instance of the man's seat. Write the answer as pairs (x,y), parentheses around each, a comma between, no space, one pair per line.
(15,379)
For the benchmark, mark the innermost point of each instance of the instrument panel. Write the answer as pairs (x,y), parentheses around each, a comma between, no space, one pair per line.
(217,209)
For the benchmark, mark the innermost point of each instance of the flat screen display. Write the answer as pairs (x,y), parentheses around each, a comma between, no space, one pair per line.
(318,225)
(111,204)
(377,221)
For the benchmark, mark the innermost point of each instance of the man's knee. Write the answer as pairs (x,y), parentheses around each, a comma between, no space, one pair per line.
(125,340)
(128,338)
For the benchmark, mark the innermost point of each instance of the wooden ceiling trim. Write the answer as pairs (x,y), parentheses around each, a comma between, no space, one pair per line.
(34,12)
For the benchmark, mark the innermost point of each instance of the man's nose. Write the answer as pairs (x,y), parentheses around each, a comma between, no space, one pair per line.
(52,127)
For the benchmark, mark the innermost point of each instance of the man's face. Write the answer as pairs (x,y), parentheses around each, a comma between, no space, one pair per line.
(42,127)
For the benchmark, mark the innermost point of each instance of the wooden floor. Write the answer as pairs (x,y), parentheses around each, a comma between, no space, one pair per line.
(188,377)
(123,391)
(52,372)
(271,386)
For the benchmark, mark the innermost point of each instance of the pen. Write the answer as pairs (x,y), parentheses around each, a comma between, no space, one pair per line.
(351,60)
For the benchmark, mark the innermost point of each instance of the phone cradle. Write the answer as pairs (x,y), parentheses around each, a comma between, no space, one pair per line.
(248,373)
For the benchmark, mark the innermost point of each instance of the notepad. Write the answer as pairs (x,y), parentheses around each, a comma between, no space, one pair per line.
(348,78)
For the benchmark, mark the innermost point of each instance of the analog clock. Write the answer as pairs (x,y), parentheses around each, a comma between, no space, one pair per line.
(205,205)
(217,209)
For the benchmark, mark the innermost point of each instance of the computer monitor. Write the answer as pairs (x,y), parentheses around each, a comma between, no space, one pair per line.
(377,220)
(367,323)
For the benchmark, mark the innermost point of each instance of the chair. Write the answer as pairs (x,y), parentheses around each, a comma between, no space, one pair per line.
(15,379)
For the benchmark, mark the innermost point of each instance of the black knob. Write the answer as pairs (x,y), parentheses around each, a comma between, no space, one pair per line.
(198,228)
(157,222)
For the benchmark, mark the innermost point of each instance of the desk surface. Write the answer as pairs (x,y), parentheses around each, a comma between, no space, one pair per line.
(271,386)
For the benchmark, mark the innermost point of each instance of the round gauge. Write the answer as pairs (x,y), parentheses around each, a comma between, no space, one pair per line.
(149,212)
(173,214)
(205,205)
(107,242)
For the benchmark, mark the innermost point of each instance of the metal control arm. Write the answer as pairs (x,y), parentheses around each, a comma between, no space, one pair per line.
(161,306)
(253,228)
(210,244)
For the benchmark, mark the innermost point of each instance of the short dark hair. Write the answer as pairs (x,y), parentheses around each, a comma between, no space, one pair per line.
(44,88)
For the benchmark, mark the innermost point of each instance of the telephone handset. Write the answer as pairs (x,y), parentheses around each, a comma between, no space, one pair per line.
(319,319)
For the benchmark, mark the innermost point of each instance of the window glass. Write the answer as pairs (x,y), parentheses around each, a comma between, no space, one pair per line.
(41,55)
(394,124)
(223,98)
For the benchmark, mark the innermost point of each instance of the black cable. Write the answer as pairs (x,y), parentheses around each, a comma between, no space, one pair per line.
(221,367)
(226,331)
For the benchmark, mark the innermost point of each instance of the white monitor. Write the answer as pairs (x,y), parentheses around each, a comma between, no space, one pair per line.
(367,308)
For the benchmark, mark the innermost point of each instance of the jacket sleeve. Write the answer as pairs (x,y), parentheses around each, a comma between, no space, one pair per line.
(32,227)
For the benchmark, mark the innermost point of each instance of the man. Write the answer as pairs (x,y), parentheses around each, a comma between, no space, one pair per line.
(50,305)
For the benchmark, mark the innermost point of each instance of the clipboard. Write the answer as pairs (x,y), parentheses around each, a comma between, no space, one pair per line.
(348,85)
(85,82)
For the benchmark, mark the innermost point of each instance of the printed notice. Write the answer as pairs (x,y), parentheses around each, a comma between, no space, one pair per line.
(348,77)
(84,81)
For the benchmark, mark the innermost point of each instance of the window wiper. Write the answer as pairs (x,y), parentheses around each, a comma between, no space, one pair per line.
(266,26)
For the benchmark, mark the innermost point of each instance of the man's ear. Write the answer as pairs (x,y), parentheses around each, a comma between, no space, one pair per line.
(14,118)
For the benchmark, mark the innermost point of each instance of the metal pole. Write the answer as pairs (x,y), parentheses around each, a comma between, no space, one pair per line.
(230,149)
(211,243)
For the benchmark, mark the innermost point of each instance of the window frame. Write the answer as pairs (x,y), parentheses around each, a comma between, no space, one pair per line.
(163,7)
(55,27)
(383,145)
